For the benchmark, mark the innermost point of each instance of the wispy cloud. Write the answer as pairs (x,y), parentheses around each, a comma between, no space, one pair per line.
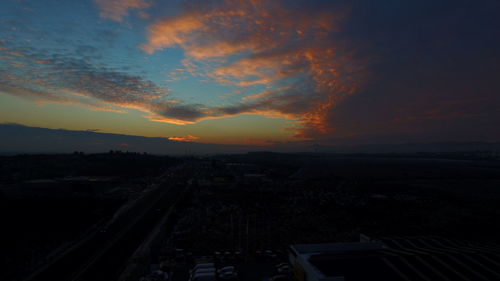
(291,50)
(189,138)
(69,80)
(267,43)
(117,10)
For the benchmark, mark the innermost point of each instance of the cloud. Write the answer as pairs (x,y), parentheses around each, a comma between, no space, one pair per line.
(118,9)
(277,44)
(342,70)
(292,50)
(43,97)
(73,81)
(70,80)
(335,69)
(189,138)
(432,77)
(266,94)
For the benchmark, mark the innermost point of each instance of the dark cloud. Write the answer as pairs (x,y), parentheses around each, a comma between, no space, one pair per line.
(433,73)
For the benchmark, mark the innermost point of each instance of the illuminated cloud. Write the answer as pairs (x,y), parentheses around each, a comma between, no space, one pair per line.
(189,138)
(251,43)
(291,51)
(408,71)
(118,9)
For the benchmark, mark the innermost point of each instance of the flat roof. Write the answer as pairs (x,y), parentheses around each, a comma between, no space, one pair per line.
(415,258)
(361,265)
(336,247)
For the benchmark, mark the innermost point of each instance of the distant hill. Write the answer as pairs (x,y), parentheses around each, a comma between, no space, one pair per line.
(412,147)
(16,139)
(22,139)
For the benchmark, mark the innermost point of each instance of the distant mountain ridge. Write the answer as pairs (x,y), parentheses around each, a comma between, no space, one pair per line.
(413,147)
(15,138)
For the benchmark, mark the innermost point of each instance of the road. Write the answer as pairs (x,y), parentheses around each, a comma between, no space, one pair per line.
(103,255)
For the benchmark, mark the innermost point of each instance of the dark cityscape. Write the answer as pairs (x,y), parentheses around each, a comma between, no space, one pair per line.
(129,216)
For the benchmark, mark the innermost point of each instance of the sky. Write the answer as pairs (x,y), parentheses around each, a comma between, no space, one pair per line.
(255,72)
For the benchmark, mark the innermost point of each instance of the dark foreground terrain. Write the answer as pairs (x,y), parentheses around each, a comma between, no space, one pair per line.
(55,206)
(264,200)
(82,217)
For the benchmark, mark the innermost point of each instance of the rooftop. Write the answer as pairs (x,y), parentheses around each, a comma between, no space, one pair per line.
(417,258)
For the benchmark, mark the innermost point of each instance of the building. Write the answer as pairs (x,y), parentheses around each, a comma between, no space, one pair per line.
(407,259)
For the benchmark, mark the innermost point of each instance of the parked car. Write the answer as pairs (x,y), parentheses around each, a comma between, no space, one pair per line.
(227,273)
(203,265)
(203,277)
(228,276)
(226,269)
(284,268)
(205,270)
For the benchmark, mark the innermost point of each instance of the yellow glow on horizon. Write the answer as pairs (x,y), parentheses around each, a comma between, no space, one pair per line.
(247,129)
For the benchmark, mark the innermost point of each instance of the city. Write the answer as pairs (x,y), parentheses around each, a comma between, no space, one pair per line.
(244,211)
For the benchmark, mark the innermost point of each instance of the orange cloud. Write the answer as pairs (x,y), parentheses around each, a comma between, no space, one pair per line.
(207,31)
(43,62)
(118,9)
(16,54)
(264,94)
(189,138)
(292,52)
(247,43)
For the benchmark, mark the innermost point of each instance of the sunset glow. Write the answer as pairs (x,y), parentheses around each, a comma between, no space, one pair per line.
(252,72)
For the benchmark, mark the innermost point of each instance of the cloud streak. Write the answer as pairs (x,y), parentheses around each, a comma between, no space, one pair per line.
(117,10)
(73,81)
(189,138)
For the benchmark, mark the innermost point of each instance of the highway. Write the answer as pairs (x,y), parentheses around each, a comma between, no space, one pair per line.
(103,255)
